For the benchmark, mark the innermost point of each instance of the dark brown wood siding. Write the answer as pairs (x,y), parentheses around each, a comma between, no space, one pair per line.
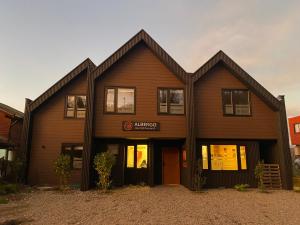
(141,69)
(50,129)
(4,124)
(209,119)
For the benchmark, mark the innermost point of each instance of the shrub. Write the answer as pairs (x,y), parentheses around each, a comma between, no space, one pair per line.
(199,179)
(8,189)
(63,169)
(17,168)
(103,163)
(241,187)
(3,200)
(259,173)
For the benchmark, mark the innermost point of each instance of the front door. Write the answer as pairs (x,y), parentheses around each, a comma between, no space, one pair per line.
(171,169)
(136,164)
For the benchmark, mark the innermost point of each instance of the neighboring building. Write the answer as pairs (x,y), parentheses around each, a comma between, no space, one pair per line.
(158,120)
(10,134)
(294,124)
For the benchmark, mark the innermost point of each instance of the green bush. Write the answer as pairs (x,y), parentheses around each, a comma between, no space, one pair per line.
(199,179)
(259,173)
(103,163)
(241,187)
(3,200)
(62,169)
(8,189)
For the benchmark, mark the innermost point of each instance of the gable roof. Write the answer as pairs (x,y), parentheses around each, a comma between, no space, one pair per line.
(141,36)
(11,111)
(242,75)
(61,83)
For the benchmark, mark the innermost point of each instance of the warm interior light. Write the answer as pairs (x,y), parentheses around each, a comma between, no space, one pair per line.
(130,156)
(243,157)
(204,157)
(142,156)
(224,157)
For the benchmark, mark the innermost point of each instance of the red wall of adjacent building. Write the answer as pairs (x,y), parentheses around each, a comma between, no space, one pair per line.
(295,137)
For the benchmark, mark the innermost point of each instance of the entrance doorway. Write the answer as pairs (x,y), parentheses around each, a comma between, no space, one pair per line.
(136,163)
(171,165)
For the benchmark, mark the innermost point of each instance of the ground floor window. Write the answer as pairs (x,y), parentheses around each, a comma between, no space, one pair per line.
(137,156)
(224,157)
(75,153)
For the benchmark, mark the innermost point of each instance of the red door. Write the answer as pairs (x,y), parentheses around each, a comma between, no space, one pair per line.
(171,169)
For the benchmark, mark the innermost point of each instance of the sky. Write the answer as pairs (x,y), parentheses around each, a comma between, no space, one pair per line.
(41,41)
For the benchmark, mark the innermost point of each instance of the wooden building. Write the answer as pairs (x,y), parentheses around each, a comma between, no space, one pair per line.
(158,120)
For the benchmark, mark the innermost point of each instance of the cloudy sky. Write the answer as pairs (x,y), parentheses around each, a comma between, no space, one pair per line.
(40,41)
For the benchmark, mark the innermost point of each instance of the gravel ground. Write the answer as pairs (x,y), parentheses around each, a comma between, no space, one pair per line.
(159,205)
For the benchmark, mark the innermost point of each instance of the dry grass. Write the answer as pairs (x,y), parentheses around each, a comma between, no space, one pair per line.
(159,205)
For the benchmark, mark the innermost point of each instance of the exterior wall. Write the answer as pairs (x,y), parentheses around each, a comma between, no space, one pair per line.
(209,119)
(49,130)
(295,137)
(4,125)
(141,69)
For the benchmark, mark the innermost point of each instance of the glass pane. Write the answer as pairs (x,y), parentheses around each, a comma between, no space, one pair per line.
(71,102)
(80,113)
(77,163)
(81,102)
(142,156)
(176,101)
(130,156)
(241,101)
(243,157)
(223,157)
(70,113)
(125,100)
(227,101)
(110,100)
(204,157)
(163,102)
(297,128)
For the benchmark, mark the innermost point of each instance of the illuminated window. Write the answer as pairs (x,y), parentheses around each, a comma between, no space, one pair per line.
(223,157)
(204,157)
(130,156)
(142,156)
(243,157)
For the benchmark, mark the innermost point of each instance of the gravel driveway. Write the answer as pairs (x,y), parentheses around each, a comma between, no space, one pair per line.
(158,205)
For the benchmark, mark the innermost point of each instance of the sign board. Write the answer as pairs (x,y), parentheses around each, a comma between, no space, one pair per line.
(140,126)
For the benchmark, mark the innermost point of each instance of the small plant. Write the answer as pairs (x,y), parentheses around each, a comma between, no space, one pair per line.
(241,187)
(199,179)
(3,200)
(63,169)
(8,189)
(259,173)
(103,163)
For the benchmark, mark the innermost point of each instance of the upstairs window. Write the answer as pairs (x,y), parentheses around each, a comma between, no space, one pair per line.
(170,101)
(236,102)
(75,153)
(297,128)
(75,106)
(119,100)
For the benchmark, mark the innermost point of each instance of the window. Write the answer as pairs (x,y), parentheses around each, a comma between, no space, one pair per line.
(113,149)
(75,106)
(223,157)
(75,153)
(170,101)
(236,102)
(297,128)
(119,100)
(204,157)
(137,156)
(243,157)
